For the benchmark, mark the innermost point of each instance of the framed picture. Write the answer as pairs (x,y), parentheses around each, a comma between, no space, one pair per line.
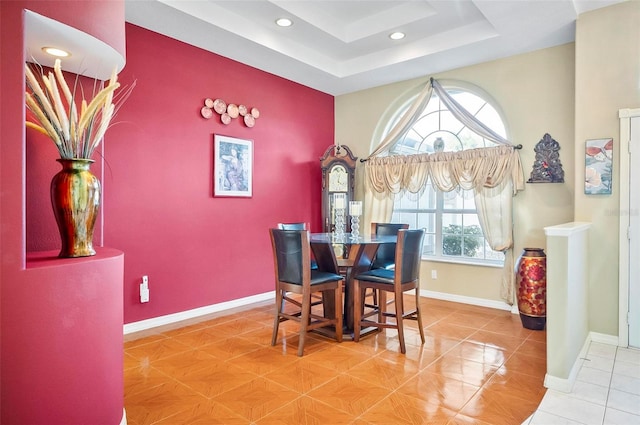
(233,166)
(598,167)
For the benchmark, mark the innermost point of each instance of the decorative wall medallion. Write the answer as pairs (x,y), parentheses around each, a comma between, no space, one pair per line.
(219,106)
(206,112)
(229,111)
(232,110)
(547,167)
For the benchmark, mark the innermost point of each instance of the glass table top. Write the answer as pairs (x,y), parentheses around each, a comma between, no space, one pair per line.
(347,238)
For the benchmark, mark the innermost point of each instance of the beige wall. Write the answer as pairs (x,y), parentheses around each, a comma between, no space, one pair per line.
(607,79)
(572,92)
(536,93)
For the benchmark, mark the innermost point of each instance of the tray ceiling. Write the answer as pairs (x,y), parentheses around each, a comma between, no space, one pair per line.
(341,46)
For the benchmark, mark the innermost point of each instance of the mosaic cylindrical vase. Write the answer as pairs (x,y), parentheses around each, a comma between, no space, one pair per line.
(531,281)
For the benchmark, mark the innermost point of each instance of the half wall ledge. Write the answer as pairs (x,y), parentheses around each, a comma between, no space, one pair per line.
(63,320)
(567,302)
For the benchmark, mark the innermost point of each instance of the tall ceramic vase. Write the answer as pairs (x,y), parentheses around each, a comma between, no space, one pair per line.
(75,197)
(531,280)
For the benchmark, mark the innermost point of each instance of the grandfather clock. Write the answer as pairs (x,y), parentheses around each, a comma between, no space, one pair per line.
(338,176)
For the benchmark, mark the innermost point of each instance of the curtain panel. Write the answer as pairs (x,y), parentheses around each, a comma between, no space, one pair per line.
(494,174)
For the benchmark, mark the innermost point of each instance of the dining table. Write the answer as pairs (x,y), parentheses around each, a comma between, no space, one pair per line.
(361,251)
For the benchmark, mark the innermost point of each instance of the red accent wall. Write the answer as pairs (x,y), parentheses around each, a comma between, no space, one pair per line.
(159,207)
(158,204)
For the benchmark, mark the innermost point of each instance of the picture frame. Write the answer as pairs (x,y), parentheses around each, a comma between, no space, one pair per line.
(232,167)
(598,167)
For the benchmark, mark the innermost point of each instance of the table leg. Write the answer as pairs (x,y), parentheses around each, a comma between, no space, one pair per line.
(361,263)
(362,260)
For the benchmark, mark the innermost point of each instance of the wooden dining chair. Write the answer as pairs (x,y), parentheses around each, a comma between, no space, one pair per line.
(405,277)
(297,226)
(385,256)
(293,275)
(292,226)
(314,264)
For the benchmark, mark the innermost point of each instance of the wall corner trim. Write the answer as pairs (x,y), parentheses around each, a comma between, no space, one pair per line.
(566,385)
(566,229)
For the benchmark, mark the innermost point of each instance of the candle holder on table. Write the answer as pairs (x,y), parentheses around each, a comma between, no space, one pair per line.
(339,203)
(355,211)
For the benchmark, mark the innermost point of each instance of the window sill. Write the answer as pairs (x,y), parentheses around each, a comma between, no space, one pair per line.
(462,262)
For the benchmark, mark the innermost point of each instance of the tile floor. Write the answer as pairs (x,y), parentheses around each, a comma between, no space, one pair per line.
(478,366)
(606,391)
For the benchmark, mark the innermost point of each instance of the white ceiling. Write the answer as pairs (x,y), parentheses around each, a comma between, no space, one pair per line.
(342,46)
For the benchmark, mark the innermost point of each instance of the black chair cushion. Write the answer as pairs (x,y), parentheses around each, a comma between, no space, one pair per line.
(377,275)
(382,262)
(322,277)
(297,226)
(317,277)
(385,256)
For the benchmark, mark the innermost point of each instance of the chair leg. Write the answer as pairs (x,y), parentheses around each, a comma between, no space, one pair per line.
(304,322)
(400,323)
(382,307)
(419,314)
(364,305)
(338,313)
(357,310)
(276,323)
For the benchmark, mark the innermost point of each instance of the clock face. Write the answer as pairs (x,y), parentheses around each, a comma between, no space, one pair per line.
(338,179)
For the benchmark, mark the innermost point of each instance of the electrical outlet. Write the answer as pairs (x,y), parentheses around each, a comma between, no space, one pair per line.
(144,290)
(434,274)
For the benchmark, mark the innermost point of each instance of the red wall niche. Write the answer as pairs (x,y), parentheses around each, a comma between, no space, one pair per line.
(61,320)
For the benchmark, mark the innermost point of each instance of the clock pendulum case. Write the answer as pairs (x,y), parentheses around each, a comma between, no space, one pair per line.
(338,177)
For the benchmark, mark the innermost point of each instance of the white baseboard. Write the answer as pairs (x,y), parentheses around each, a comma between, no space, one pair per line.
(215,308)
(565,385)
(123,421)
(196,312)
(482,302)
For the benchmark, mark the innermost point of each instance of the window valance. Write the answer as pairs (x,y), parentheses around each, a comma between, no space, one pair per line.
(468,169)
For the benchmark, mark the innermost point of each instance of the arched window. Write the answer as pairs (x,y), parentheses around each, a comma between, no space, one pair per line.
(453,230)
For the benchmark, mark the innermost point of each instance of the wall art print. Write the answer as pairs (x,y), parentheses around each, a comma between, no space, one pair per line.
(233,166)
(598,167)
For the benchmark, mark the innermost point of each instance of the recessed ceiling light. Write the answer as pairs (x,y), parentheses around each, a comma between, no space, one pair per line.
(54,51)
(284,22)
(396,35)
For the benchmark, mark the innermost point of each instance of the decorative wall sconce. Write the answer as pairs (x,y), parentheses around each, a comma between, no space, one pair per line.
(547,167)
(229,111)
